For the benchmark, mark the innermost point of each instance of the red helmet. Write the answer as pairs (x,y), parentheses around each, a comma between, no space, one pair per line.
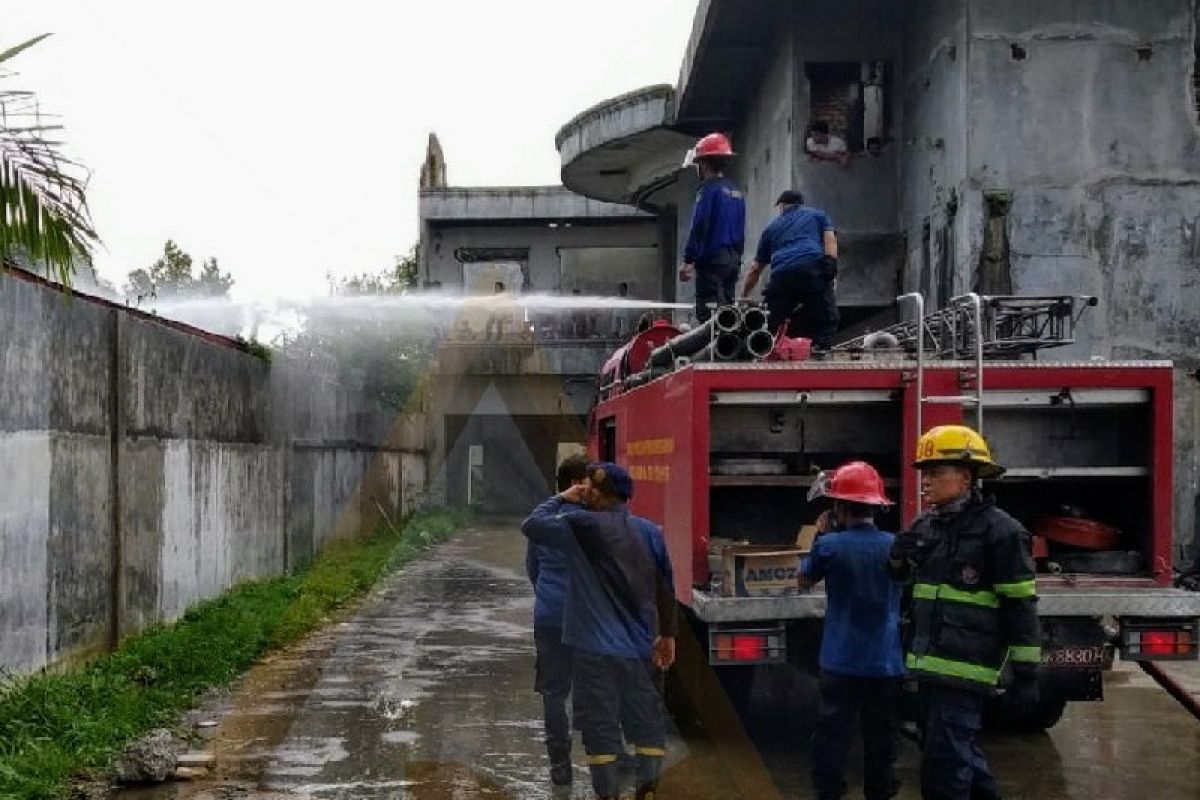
(715,145)
(856,482)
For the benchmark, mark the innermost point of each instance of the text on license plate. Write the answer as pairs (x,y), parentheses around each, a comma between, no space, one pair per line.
(1078,657)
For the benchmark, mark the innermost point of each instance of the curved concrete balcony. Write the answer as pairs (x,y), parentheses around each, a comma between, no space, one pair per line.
(624,149)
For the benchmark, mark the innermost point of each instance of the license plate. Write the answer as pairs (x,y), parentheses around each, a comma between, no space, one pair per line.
(1078,657)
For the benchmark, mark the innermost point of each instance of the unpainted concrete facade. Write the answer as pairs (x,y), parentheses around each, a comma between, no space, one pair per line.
(542,222)
(144,468)
(1033,147)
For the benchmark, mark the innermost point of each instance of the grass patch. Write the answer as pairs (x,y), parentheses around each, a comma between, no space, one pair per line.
(54,727)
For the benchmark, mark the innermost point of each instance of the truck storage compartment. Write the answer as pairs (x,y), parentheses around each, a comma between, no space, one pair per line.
(1078,474)
(766,448)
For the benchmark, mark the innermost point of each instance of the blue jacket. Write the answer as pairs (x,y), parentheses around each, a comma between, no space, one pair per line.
(862,609)
(620,593)
(794,239)
(547,570)
(718,221)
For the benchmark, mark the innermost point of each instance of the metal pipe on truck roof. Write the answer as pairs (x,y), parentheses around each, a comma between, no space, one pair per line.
(759,344)
(755,319)
(726,347)
(728,319)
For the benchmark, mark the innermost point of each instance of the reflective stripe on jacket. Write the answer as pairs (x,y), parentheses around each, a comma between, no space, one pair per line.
(973,598)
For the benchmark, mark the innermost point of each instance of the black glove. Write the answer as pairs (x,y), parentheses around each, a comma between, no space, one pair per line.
(1022,694)
(829,267)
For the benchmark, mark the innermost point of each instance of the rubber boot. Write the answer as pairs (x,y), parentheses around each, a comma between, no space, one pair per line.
(648,770)
(606,781)
(561,772)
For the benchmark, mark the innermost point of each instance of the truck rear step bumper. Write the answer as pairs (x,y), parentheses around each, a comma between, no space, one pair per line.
(1055,602)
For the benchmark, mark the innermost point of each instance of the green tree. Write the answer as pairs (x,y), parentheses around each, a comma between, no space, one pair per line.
(172,276)
(212,281)
(375,351)
(400,278)
(44,217)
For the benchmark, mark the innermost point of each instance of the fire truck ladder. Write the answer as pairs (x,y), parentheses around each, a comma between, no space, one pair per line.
(977,327)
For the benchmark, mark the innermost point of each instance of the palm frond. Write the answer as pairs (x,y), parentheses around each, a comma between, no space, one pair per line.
(43,204)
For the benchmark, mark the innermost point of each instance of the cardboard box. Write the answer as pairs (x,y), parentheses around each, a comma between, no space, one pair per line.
(760,570)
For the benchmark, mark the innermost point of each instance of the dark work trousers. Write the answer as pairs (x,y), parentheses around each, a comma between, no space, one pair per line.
(615,696)
(716,282)
(553,683)
(952,765)
(804,298)
(848,705)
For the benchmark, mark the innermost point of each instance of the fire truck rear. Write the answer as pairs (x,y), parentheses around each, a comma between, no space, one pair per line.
(724,450)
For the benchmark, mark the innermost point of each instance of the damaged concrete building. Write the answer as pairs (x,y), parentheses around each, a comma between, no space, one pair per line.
(1032,147)
(561,241)
(507,405)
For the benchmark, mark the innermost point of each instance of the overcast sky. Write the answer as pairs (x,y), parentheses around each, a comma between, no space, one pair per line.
(285,138)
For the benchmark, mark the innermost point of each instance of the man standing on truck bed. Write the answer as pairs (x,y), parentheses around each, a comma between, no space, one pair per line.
(862,666)
(547,570)
(620,622)
(974,608)
(801,247)
(713,253)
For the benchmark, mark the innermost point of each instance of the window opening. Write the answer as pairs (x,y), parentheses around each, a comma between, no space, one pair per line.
(852,102)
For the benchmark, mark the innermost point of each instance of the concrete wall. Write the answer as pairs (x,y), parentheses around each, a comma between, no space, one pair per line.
(542,242)
(933,98)
(862,197)
(144,468)
(767,141)
(1098,147)
(540,219)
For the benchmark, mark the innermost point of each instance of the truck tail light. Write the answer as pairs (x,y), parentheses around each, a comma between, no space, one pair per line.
(1148,640)
(747,647)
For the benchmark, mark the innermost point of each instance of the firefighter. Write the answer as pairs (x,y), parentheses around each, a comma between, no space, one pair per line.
(547,570)
(801,247)
(620,622)
(713,253)
(862,666)
(973,610)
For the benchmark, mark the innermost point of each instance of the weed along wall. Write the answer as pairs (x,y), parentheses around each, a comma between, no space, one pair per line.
(145,466)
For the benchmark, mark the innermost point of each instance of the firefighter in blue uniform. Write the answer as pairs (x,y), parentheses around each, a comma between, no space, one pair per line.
(862,666)
(717,238)
(547,570)
(801,248)
(973,610)
(619,620)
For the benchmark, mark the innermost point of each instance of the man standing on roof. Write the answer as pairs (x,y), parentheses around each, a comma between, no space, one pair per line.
(974,609)
(548,572)
(620,621)
(862,666)
(801,248)
(713,253)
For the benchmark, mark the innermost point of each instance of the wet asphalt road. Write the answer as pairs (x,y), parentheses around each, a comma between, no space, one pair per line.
(426,692)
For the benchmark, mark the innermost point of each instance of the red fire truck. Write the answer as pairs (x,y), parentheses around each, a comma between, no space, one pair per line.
(723,453)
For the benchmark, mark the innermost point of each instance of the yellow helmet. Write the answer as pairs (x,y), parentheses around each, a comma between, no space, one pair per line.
(956,444)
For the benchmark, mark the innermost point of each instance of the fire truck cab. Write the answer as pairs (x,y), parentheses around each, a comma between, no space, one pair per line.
(724,452)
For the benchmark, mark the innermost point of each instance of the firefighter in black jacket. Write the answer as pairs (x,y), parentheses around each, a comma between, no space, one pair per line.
(973,610)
